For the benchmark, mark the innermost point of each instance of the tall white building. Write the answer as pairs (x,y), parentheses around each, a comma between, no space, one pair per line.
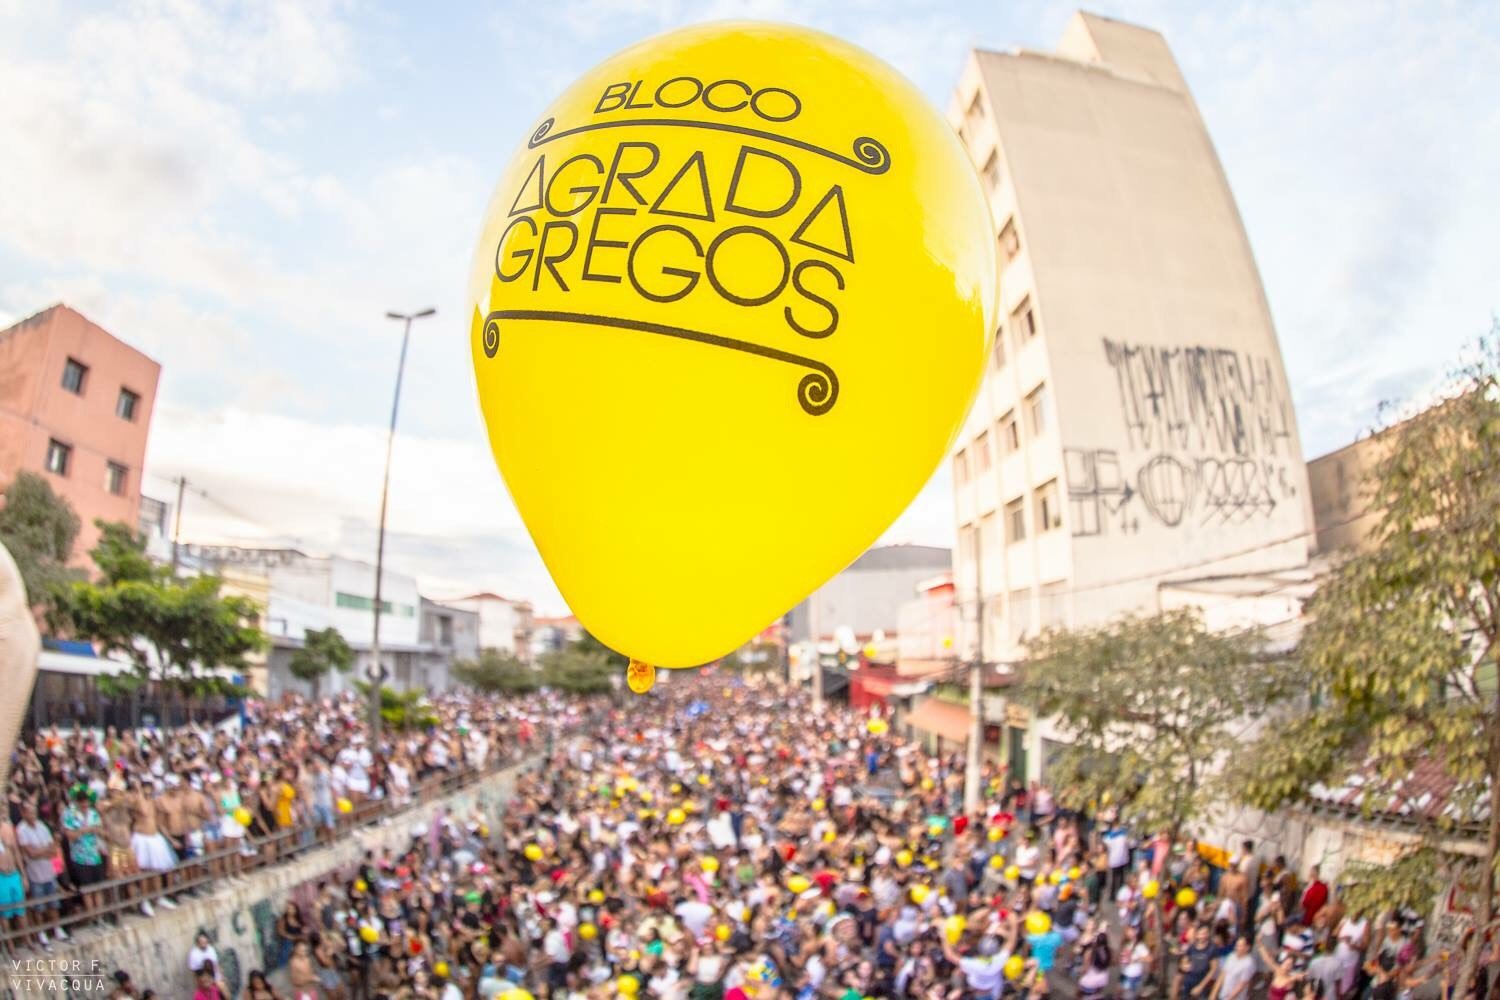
(1135,425)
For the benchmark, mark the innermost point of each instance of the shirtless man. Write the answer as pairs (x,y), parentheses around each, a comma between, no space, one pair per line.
(12,879)
(152,851)
(120,860)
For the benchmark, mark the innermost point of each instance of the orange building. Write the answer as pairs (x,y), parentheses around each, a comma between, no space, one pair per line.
(75,406)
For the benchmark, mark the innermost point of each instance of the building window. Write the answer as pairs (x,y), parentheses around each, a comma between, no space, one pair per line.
(445,630)
(1023,321)
(968,549)
(1015,521)
(1048,508)
(1010,433)
(126,404)
(1036,410)
(1019,618)
(992,170)
(976,112)
(59,457)
(1010,241)
(999,353)
(74,373)
(982,453)
(114,478)
(1053,605)
(961,467)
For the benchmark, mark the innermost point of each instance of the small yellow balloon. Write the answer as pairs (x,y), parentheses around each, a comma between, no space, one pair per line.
(722,932)
(935,829)
(702,779)
(515,993)
(588,931)
(681,273)
(440,967)
(953,928)
(640,676)
(1186,897)
(676,817)
(830,835)
(635,954)
(818,805)
(799,884)
(1012,873)
(628,986)
(368,934)
(995,835)
(1038,922)
(242,816)
(1151,889)
(360,885)
(997,862)
(878,727)
(709,864)
(1075,873)
(919,893)
(596,896)
(646,796)
(1055,877)
(904,858)
(1014,966)
(533,852)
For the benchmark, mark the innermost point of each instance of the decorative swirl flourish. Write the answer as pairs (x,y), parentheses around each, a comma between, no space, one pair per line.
(870,155)
(817,391)
(490,339)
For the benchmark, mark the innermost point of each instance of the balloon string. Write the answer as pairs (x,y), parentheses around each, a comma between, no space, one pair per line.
(640,676)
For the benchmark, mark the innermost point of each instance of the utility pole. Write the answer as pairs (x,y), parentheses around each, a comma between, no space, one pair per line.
(817,656)
(177,521)
(972,775)
(377,672)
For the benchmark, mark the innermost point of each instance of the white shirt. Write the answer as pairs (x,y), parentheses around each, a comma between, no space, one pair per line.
(983,973)
(1234,971)
(36,835)
(198,956)
(694,916)
(1117,846)
(555,947)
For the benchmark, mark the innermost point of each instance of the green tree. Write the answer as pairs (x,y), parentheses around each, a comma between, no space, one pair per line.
(39,528)
(579,669)
(1400,648)
(180,632)
(496,672)
(407,709)
(586,643)
(1148,707)
(323,651)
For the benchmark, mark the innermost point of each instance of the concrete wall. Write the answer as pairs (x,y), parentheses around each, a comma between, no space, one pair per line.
(35,409)
(241,920)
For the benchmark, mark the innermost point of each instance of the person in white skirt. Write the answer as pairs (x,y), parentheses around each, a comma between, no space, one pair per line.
(152,852)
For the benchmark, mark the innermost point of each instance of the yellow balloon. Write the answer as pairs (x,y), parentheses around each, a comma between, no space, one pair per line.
(1014,966)
(878,727)
(919,894)
(926,784)
(722,932)
(709,864)
(799,884)
(676,817)
(368,934)
(997,862)
(953,929)
(628,986)
(1012,873)
(830,835)
(730,241)
(904,858)
(242,816)
(640,677)
(515,993)
(1151,889)
(1186,897)
(588,931)
(360,885)
(1055,877)
(995,834)
(596,896)
(702,779)
(533,852)
(441,968)
(817,805)
(1038,922)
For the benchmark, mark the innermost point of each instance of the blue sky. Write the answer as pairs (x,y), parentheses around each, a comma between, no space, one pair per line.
(243,189)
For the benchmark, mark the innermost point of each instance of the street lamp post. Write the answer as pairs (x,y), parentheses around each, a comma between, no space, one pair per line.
(377,671)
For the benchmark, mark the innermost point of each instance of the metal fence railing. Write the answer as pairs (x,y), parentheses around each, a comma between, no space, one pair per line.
(82,906)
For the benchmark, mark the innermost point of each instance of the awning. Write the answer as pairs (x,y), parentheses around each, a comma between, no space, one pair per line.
(942,718)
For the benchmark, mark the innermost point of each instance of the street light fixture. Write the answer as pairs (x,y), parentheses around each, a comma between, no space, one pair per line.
(377,671)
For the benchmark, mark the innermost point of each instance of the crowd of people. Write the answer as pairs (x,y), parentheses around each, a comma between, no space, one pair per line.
(142,813)
(712,841)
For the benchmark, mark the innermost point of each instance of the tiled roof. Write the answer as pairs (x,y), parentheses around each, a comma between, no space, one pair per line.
(1423,795)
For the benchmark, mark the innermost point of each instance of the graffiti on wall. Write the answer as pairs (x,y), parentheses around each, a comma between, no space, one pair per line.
(1209,443)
